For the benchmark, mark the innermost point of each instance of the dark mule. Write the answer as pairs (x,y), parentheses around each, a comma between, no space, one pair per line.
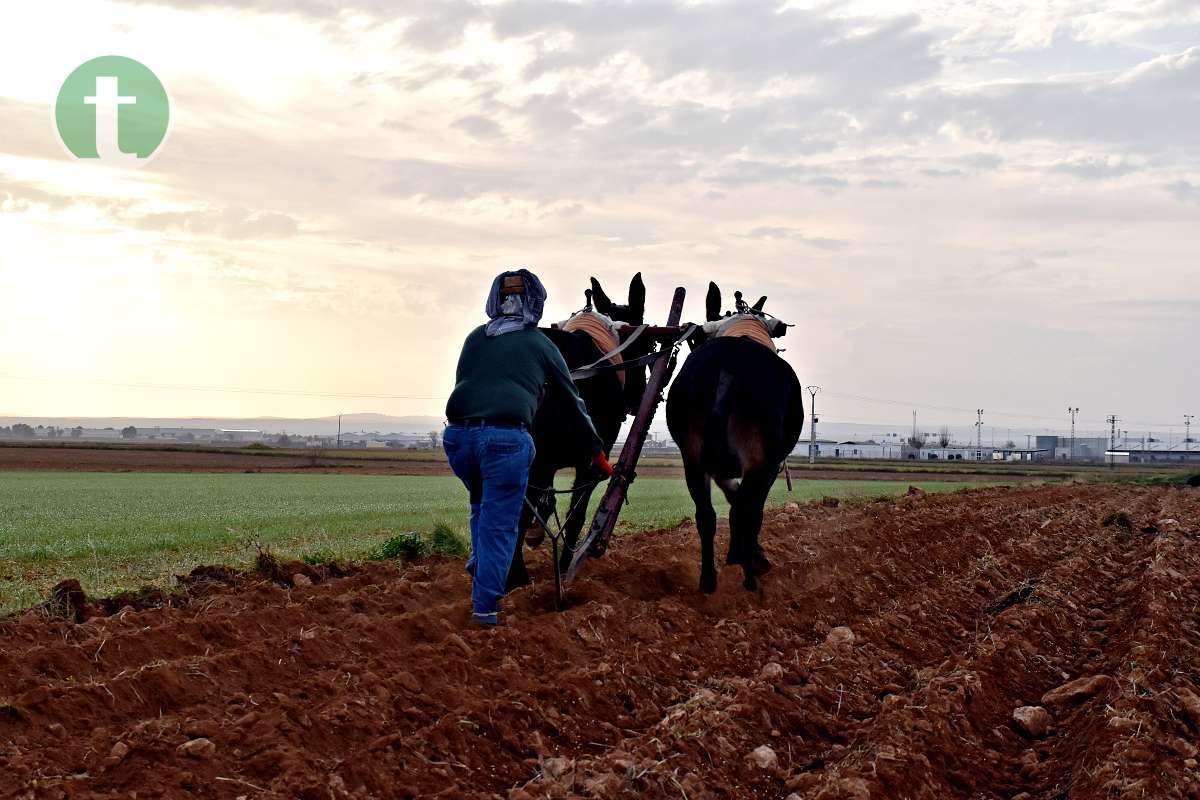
(561,445)
(736,412)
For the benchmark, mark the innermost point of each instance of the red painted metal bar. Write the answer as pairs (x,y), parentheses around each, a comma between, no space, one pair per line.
(596,542)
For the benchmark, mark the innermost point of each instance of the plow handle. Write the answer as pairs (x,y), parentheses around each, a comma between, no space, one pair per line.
(605,522)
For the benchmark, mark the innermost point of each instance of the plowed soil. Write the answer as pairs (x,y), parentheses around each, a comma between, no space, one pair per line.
(884,657)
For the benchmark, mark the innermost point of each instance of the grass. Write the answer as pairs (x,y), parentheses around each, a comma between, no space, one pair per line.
(119,531)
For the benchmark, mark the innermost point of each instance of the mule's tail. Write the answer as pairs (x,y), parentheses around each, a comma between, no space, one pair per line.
(717,454)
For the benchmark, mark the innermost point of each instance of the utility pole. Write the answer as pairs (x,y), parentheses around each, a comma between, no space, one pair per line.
(1112,438)
(812,428)
(979,434)
(1187,428)
(1072,412)
(339,438)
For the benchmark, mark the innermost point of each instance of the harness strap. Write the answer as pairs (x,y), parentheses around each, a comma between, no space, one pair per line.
(583,373)
(611,356)
(749,327)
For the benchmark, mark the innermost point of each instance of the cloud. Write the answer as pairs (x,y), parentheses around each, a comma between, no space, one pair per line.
(479,127)
(1094,168)
(1150,108)
(776,232)
(1185,191)
(228,223)
(17,196)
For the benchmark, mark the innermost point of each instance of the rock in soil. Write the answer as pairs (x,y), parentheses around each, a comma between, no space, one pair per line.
(840,636)
(771,671)
(1077,690)
(764,757)
(1034,721)
(118,753)
(198,748)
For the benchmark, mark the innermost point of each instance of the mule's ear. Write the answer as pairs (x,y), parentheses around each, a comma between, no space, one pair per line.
(600,299)
(712,303)
(637,294)
(762,301)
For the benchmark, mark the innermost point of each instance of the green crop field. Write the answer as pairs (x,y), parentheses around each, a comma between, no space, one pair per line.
(118,531)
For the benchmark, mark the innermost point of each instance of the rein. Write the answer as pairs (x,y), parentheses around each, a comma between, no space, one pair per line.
(599,366)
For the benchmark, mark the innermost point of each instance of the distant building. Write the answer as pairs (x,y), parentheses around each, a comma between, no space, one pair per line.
(1087,448)
(1155,453)
(177,434)
(99,434)
(1021,454)
(238,435)
(870,449)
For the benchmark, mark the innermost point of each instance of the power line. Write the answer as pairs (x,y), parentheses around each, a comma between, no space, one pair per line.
(963,410)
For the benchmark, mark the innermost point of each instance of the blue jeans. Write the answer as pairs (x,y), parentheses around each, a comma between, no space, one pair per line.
(493,463)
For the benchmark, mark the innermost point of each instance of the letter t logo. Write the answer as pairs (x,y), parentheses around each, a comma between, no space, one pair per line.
(107,101)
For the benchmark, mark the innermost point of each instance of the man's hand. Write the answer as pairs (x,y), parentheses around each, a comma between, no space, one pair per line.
(600,460)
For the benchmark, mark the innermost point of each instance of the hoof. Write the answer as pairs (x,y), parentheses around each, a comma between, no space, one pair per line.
(516,580)
(708,583)
(534,536)
(750,584)
(761,565)
(518,584)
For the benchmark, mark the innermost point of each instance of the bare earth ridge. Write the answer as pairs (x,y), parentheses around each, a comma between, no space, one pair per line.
(996,643)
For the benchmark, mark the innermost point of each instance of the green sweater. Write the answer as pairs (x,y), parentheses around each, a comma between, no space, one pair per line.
(503,378)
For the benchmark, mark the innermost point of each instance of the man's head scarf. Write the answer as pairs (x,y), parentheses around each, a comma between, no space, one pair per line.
(514,312)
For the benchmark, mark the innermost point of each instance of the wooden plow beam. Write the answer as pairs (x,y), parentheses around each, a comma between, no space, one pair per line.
(605,521)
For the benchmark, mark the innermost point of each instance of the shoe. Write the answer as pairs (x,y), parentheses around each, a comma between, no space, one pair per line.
(485,620)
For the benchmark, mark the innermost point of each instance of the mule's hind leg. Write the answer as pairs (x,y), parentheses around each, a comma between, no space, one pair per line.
(518,573)
(700,488)
(745,523)
(573,525)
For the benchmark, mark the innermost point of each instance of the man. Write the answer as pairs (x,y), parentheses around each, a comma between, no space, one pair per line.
(502,373)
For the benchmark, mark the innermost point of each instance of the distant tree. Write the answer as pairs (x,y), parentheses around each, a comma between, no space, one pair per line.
(23,431)
(944,436)
(189,437)
(1010,445)
(284,440)
(77,432)
(435,438)
(916,441)
(129,432)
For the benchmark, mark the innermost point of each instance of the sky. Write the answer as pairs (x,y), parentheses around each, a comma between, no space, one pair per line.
(957,204)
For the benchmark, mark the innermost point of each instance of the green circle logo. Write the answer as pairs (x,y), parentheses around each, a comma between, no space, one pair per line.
(113,109)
